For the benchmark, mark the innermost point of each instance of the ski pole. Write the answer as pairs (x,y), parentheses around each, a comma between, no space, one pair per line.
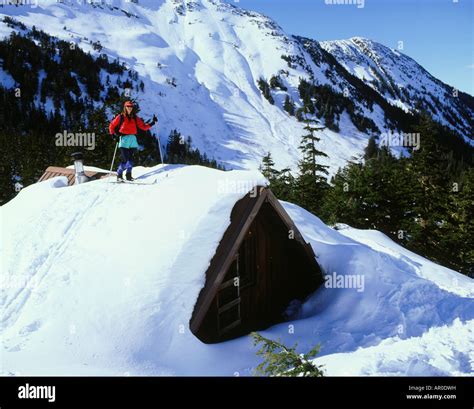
(113,159)
(159,147)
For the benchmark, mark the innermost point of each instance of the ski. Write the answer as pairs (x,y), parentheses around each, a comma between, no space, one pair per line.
(132,182)
(139,182)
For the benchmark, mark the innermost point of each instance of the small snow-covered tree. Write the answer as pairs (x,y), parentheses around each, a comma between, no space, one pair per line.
(280,360)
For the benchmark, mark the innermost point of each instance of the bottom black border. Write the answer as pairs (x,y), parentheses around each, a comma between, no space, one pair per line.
(240,392)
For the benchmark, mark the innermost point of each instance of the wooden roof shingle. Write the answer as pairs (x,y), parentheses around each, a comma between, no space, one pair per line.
(54,171)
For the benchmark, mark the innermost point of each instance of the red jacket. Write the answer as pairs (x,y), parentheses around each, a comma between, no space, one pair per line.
(129,126)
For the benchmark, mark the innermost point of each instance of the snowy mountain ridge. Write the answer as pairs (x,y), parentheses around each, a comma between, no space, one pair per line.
(200,62)
(404,83)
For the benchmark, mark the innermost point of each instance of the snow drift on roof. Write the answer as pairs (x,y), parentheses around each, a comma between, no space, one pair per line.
(113,271)
(101,279)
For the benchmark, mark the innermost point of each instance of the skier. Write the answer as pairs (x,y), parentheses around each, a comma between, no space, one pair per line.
(124,128)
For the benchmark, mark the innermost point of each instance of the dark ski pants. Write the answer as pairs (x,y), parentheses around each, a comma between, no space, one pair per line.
(127,160)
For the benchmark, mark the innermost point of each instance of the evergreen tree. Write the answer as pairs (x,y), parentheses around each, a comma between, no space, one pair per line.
(289,106)
(311,184)
(415,200)
(459,230)
(279,360)
(179,150)
(267,168)
(175,150)
(457,240)
(281,182)
(300,114)
(341,203)
(371,150)
(430,190)
(275,82)
(374,194)
(284,185)
(265,88)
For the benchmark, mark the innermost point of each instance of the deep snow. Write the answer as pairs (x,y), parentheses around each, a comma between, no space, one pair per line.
(101,279)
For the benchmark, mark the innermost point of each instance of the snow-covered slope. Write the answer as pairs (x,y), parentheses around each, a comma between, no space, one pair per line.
(101,279)
(200,62)
(215,52)
(404,83)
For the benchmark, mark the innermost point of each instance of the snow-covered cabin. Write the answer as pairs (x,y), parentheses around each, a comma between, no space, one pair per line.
(261,265)
(106,279)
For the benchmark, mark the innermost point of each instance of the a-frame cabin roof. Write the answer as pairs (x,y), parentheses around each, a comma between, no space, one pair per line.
(242,216)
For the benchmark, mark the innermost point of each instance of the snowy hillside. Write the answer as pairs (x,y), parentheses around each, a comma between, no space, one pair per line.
(97,281)
(404,83)
(200,62)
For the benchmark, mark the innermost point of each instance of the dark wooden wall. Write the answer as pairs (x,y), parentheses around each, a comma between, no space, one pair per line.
(273,270)
(283,274)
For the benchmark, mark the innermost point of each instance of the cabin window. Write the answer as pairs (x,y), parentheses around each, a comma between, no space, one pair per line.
(248,260)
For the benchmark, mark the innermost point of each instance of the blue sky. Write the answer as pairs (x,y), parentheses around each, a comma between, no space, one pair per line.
(438,34)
